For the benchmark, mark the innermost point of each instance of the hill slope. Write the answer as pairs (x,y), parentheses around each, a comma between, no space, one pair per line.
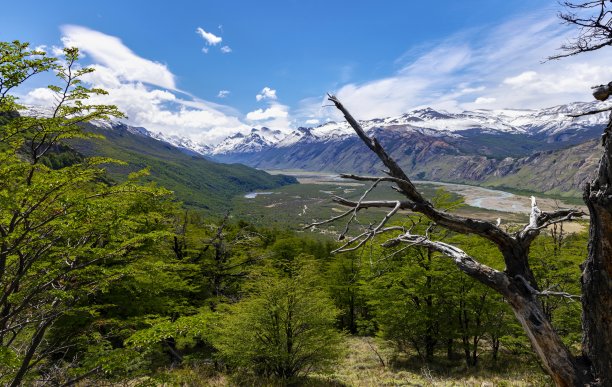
(196,180)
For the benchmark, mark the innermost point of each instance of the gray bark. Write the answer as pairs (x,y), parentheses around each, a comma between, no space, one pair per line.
(597,270)
(516,283)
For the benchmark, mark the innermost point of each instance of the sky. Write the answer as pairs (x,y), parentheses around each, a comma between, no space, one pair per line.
(207,69)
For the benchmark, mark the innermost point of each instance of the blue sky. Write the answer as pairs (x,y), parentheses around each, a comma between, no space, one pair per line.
(204,69)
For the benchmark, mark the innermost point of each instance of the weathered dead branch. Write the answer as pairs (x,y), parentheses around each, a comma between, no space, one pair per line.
(516,283)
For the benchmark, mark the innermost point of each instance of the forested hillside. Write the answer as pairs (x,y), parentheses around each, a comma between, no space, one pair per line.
(194,179)
(132,256)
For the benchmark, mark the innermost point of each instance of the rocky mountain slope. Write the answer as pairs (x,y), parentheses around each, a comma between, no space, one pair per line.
(536,150)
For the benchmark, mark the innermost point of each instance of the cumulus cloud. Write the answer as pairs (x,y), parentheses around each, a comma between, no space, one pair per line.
(484,100)
(110,52)
(312,121)
(226,49)
(40,97)
(521,79)
(210,38)
(274,111)
(266,93)
(223,93)
(275,116)
(145,90)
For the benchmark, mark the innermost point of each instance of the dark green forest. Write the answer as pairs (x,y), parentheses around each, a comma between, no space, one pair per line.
(106,277)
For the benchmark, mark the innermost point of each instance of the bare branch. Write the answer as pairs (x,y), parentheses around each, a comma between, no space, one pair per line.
(327,220)
(595,30)
(546,293)
(482,273)
(371,178)
(405,205)
(420,204)
(370,232)
(539,220)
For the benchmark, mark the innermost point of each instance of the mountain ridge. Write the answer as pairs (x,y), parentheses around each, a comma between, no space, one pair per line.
(496,148)
(501,148)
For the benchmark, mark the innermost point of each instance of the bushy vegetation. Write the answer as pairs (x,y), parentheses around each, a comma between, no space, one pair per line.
(285,326)
(107,282)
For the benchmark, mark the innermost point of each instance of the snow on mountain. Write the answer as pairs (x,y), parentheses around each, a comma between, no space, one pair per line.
(255,141)
(548,122)
(556,119)
(181,142)
(430,122)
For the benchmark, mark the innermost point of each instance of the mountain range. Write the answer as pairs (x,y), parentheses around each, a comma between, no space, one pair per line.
(542,150)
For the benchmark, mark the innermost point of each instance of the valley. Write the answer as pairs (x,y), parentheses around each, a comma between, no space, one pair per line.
(203,246)
(294,206)
(543,150)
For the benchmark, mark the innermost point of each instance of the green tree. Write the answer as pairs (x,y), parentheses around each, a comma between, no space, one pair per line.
(65,233)
(285,326)
(344,276)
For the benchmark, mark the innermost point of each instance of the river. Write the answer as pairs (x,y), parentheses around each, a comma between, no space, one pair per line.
(486,198)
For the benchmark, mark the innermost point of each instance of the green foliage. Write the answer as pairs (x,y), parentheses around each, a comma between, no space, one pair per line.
(64,233)
(284,327)
(344,276)
(556,259)
(17,64)
(107,280)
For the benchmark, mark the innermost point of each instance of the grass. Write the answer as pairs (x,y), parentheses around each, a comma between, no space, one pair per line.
(367,363)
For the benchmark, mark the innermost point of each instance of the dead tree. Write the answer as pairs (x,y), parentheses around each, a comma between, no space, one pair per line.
(516,283)
(597,269)
(594,20)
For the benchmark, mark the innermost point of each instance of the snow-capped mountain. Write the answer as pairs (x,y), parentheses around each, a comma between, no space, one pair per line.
(542,150)
(544,122)
(255,141)
(548,125)
(180,142)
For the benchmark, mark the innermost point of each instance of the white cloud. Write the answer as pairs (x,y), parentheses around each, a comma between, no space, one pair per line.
(266,93)
(496,67)
(223,93)
(312,121)
(468,90)
(145,90)
(110,52)
(521,79)
(274,111)
(484,100)
(205,50)
(210,38)
(41,96)
(226,49)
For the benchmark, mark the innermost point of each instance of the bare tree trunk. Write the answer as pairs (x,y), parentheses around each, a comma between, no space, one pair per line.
(554,355)
(516,283)
(597,270)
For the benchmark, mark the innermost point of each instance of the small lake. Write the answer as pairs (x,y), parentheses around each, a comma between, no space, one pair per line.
(253,195)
